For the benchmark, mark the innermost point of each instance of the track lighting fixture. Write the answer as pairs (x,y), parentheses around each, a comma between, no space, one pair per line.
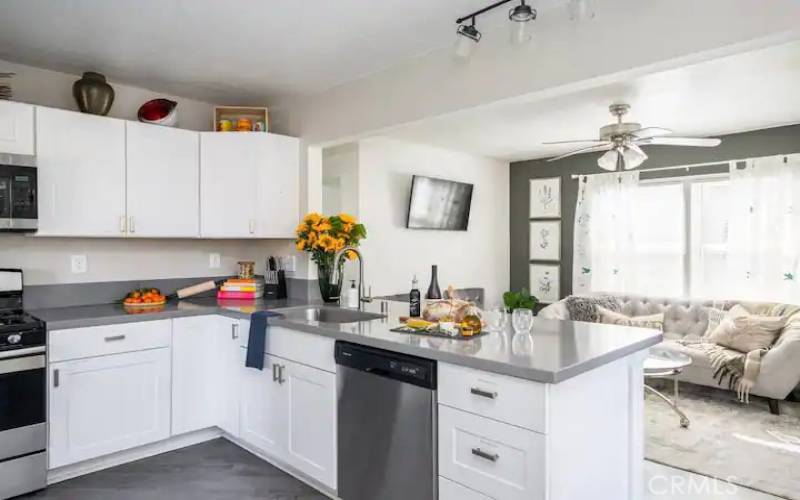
(469,36)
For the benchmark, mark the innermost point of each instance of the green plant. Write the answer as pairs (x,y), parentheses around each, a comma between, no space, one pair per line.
(519,300)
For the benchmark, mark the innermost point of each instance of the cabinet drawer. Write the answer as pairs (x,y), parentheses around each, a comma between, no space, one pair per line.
(499,397)
(92,341)
(306,348)
(448,490)
(496,459)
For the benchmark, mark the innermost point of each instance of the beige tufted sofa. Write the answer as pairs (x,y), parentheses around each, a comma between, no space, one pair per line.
(780,368)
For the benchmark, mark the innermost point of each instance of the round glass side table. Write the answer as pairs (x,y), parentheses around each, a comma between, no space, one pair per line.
(663,363)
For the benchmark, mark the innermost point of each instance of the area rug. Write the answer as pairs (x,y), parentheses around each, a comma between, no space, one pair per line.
(742,444)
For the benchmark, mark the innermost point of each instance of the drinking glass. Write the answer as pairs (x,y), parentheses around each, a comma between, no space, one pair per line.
(496,319)
(522,320)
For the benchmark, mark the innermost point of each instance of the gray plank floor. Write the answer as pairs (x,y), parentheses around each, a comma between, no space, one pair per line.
(216,470)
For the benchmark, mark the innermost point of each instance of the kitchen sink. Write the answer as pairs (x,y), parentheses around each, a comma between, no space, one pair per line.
(327,314)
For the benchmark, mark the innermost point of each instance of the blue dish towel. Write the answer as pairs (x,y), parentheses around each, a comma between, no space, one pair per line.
(257,341)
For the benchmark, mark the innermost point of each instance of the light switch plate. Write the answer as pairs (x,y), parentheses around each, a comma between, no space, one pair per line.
(289,263)
(214,261)
(78,264)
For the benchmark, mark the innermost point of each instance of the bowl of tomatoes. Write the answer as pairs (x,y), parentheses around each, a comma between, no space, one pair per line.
(144,297)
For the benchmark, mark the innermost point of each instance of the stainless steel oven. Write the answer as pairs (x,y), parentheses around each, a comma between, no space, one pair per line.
(18,193)
(23,392)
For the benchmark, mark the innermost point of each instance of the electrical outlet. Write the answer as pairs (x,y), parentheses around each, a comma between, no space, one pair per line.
(79,264)
(214,260)
(289,263)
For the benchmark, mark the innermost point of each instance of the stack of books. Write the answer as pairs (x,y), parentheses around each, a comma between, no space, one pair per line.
(242,289)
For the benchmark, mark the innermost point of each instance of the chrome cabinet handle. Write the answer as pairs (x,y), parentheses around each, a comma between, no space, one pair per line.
(482,393)
(115,338)
(122,223)
(56,378)
(492,457)
(281,380)
(235,331)
(252,226)
(275,372)
(131,225)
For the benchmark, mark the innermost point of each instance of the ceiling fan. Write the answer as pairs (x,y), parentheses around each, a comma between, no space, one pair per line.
(622,142)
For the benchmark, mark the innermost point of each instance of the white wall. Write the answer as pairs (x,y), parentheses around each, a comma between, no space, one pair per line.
(54,89)
(47,260)
(478,257)
(340,179)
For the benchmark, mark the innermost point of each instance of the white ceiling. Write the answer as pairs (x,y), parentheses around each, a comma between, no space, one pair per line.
(747,91)
(234,51)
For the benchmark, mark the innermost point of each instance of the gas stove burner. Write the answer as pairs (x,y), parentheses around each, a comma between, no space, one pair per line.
(16,317)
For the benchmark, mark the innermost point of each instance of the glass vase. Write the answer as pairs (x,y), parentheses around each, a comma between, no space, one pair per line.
(329,289)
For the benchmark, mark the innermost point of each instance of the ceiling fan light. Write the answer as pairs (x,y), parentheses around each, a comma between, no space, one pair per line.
(608,161)
(581,9)
(522,13)
(633,156)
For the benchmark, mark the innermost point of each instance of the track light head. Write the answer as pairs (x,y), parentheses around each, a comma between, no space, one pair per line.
(522,13)
(469,31)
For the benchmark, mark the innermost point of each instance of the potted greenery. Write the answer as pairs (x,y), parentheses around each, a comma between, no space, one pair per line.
(519,300)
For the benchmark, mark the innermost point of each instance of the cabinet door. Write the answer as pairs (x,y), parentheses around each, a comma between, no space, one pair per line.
(163,181)
(107,404)
(231,372)
(81,168)
(311,416)
(16,128)
(277,181)
(196,370)
(227,184)
(262,419)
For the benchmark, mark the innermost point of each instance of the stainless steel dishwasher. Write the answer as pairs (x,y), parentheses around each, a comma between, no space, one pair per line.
(386,425)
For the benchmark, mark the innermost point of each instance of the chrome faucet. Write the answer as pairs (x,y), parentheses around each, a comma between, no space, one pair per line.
(362,298)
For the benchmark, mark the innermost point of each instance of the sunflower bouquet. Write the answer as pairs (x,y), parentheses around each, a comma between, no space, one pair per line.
(323,237)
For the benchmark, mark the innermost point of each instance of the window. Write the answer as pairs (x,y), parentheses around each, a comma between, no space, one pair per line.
(681,231)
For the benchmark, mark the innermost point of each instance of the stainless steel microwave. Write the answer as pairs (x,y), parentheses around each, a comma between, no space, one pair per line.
(18,193)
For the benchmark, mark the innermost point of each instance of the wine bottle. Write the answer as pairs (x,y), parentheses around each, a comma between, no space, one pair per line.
(414,300)
(433,290)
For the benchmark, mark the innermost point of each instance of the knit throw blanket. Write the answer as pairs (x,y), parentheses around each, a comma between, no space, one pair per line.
(740,369)
(584,308)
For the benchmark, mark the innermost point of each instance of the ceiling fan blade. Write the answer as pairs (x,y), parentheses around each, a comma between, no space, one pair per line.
(590,149)
(644,133)
(576,141)
(701,142)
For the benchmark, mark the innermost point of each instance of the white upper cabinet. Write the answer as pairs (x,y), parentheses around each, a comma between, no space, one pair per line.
(248,185)
(227,184)
(16,128)
(163,181)
(81,168)
(278,188)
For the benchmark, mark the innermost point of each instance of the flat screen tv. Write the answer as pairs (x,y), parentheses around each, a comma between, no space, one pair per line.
(439,204)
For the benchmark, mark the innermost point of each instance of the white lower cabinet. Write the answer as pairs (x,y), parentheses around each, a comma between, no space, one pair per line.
(494,458)
(449,490)
(262,420)
(288,410)
(311,416)
(107,404)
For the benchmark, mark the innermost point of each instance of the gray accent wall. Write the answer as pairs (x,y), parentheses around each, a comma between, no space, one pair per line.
(766,142)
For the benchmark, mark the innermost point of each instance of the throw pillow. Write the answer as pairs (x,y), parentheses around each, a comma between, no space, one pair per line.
(745,332)
(715,317)
(584,308)
(655,321)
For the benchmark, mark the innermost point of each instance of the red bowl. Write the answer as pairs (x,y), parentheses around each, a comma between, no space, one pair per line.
(159,111)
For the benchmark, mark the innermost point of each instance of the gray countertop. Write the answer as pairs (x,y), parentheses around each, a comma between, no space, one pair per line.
(553,352)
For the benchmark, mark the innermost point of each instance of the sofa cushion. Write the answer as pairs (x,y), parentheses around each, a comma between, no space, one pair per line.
(746,332)
(584,308)
(715,317)
(655,321)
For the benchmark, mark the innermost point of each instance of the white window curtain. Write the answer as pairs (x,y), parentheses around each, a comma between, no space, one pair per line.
(604,239)
(764,230)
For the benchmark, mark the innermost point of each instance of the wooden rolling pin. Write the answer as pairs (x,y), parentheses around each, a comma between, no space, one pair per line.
(199,288)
